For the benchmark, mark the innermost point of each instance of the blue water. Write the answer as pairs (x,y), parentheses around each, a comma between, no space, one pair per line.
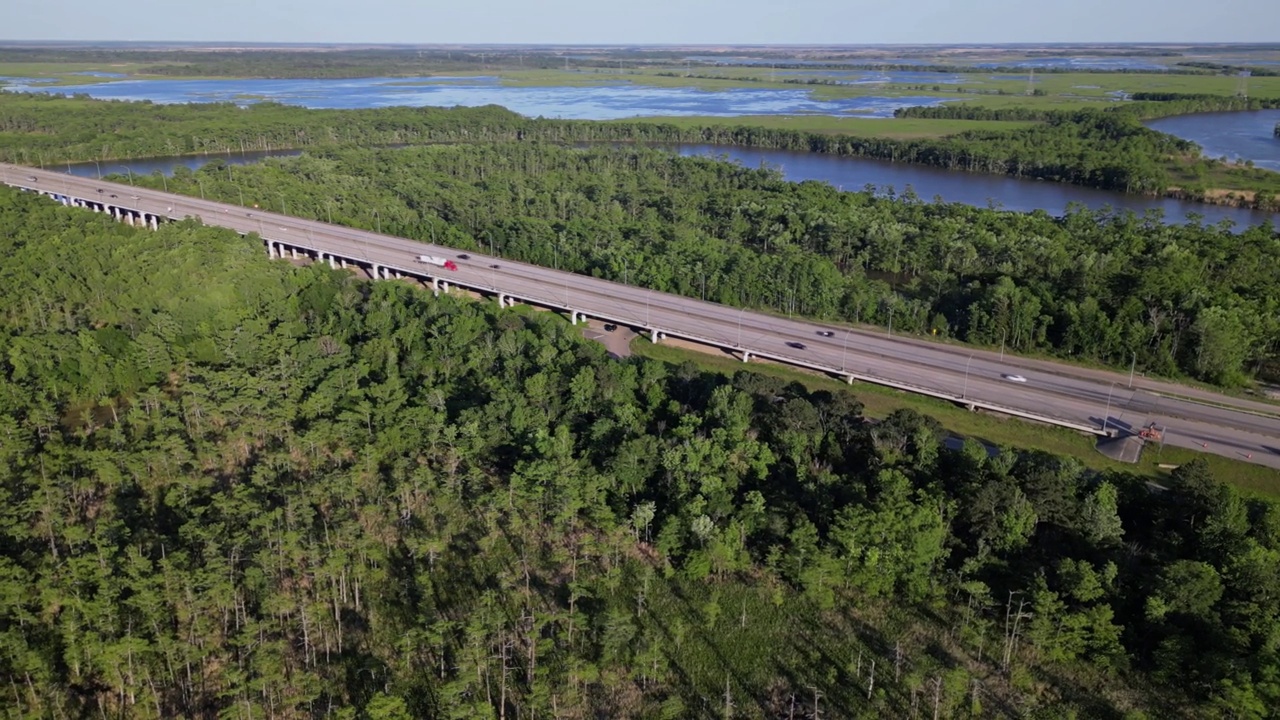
(1237,136)
(855,77)
(843,172)
(15,83)
(597,102)
(1086,63)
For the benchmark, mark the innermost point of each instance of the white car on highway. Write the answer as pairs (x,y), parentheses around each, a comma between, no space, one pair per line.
(1014,378)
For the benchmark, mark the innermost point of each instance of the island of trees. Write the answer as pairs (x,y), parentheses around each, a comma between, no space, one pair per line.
(230,487)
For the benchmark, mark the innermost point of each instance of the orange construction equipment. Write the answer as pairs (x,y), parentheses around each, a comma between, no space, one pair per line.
(1151,432)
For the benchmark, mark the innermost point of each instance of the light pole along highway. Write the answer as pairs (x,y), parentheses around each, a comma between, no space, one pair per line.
(1049,392)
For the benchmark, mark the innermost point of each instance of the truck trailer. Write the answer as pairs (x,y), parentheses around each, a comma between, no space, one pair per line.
(439,261)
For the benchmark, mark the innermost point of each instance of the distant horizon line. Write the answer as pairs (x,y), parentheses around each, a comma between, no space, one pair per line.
(349,43)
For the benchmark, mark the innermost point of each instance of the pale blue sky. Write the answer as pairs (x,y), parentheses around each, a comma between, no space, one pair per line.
(644,21)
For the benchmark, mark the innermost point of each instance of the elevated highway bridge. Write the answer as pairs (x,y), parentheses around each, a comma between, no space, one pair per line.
(1089,401)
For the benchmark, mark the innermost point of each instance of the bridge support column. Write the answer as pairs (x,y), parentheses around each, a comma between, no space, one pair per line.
(293,253)
(342,263)
(746,356)
(435,285)
(655,335)
(155,222)
(848,379)
(444,287)
(502,300)
(377,272)
(333,262)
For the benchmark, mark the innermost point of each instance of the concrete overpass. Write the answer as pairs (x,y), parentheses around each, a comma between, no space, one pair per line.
(1089,401)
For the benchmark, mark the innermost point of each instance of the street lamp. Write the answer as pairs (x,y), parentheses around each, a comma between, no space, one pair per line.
(965,391)
(99,166)
(284,210)
(130,170)
(1133,366)
(1107,415)
(844,351)
(740,312)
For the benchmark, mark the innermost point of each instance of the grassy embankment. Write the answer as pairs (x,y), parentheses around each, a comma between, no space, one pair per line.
(65,73)
(990,429)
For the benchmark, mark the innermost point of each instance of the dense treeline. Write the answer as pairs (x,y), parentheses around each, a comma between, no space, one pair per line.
(1194,300)
(955,111)
(1221,68)
(1144,105)
(1184,103)
(1108,149)
(238,489)
(38,129)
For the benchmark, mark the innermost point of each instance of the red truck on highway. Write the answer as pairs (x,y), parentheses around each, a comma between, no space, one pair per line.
(442,262)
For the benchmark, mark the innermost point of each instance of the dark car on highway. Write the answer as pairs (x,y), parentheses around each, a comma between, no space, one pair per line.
(796,345)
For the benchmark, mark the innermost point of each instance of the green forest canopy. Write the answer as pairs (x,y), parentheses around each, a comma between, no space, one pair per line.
(1183,300)
(229,487)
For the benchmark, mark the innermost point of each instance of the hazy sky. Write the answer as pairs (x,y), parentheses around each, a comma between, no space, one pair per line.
(644,21)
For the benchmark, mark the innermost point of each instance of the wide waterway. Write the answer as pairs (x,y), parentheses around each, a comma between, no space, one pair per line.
(844,172)
(609,97)
(1235,135)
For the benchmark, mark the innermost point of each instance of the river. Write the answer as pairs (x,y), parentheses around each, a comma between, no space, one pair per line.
(1245,135)
(978,189)
(847,173)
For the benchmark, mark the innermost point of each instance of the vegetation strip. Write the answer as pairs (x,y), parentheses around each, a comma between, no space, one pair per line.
(246,487)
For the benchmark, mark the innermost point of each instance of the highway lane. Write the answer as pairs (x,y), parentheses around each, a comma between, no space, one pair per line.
(1061,391)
